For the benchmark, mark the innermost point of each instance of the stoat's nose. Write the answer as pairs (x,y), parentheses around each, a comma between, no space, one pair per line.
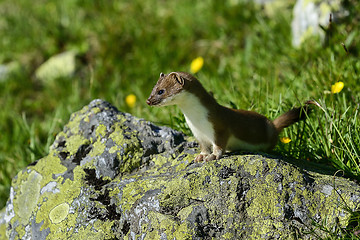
(148,101)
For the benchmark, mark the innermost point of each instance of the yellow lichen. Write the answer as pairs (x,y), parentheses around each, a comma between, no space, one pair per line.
(101,131)
(26,199)
(59,213)
(166,225)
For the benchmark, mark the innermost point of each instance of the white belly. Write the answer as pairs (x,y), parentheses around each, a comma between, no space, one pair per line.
(202,129)
(237,144)
(196,116)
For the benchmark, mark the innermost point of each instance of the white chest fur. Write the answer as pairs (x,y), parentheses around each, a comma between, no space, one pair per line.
(196,116)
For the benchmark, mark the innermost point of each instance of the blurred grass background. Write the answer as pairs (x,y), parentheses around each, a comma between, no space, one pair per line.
(122,46)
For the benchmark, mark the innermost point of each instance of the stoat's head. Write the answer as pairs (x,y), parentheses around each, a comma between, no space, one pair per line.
(168,89)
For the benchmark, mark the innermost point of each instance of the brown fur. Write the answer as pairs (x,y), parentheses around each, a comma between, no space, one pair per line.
(291,117)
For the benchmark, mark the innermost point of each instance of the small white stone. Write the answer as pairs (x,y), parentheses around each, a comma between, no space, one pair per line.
(61,65)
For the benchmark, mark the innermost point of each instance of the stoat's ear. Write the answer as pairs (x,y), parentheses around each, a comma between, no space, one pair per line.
(162,75)
(178,78)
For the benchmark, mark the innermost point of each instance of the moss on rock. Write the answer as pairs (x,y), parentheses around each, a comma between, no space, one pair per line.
(109,175)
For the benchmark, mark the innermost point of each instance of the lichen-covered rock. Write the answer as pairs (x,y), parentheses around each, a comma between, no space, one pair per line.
(112,176)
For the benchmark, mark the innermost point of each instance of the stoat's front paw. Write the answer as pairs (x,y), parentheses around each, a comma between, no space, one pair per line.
(210,157)
(200,157)
(206,157)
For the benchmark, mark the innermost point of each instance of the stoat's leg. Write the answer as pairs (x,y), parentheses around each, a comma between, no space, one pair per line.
(218,151)
(205,152)
(216,154)
(219,146)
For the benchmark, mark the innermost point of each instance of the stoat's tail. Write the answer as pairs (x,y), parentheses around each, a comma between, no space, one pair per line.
(292,116)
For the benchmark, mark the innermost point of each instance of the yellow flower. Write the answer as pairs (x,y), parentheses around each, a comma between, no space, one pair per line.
(130,100)
(285,140)
(337,87)
(196,64)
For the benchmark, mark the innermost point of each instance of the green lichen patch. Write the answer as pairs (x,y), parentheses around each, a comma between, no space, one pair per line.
(168,227)
(186,189)
(253,165)
(130,162)
(92,231)
(59,213)
(127,146)
(268,229)
(74,142)
(2,224)
(72,126)
(117,135)
(263,200)
(27,195)
(101,131)
(3,231)
(228,235)
(97,149)
(159,161)
(185,212)
(50,202)
(182,162)
(131,193)
(175,196)
(48,167)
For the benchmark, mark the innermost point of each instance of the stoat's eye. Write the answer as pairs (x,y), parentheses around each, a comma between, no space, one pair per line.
(160,92)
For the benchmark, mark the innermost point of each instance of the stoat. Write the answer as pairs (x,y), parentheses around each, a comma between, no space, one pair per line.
(218,128)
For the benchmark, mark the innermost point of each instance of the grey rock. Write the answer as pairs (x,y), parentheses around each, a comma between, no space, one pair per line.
(109,175)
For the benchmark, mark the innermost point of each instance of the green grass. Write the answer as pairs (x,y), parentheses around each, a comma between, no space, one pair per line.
(123,46)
